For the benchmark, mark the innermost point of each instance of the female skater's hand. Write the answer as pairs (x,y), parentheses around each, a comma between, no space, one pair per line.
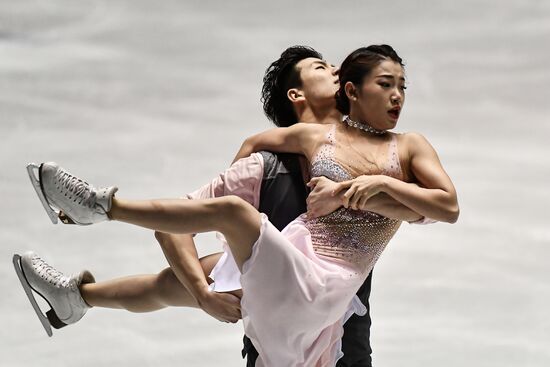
(359,190)
(224,307)
(321,200)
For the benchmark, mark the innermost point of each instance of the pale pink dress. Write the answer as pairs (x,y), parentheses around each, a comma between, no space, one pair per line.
(299,285)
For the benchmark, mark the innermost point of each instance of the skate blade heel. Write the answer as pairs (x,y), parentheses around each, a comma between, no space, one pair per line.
(65,219)
(54,320)
(36,183)
(28,291)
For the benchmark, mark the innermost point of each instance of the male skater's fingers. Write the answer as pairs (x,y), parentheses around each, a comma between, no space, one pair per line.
(358,194)
(233,304)
(359,198)
(348,195)
(308,199)
(341,186)
(316,181)
(314,201)
(222,306)
(310,205)
(313,182)
(354,200)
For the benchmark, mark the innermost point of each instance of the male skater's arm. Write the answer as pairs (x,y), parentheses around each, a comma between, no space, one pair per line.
(181,253)
(243,179)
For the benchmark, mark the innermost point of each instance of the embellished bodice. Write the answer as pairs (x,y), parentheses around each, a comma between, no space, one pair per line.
(355,236)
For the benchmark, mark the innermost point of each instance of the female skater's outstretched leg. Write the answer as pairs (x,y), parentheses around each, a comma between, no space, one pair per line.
(138,293)
(70,296)
(144,293)
(237,220)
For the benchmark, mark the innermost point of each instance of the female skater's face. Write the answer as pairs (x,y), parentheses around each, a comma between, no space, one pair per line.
(379,99)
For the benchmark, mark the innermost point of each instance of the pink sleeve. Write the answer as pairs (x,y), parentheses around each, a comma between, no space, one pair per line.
(243,179)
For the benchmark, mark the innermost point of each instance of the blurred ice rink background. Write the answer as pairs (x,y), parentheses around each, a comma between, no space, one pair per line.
(156,97)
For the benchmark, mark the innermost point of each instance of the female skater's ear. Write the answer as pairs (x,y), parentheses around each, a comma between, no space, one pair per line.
(351,91)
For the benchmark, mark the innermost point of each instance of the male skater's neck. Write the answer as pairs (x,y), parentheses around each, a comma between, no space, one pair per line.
(320,115)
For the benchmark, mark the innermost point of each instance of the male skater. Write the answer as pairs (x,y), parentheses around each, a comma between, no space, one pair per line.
(299,86)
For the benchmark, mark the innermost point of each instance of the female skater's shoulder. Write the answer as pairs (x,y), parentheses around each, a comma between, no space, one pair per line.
(415,146)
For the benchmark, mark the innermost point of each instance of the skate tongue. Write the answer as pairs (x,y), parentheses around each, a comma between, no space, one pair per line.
(104,197)
(85,277)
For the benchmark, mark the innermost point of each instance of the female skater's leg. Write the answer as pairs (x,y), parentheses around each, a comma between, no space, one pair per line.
(71,296)
(237,220)
(144,293)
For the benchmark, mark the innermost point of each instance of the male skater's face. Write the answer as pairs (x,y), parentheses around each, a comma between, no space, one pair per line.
(319,80)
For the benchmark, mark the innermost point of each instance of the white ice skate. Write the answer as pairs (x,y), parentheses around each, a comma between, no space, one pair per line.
(68,197)
(60,291)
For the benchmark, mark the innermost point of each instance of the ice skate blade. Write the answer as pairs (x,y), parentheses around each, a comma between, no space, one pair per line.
(54,319)
(28,291)
(38,188)
(65,219)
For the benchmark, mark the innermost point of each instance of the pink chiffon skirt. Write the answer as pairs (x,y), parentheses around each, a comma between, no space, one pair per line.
(295,302)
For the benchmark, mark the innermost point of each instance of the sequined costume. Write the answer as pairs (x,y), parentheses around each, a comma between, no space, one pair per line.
(358,237)
(299,284)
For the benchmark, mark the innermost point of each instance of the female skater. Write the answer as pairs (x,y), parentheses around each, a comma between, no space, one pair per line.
(298,285)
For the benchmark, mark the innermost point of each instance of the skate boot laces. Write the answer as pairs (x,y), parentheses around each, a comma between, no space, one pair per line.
(50,274)
(75,189)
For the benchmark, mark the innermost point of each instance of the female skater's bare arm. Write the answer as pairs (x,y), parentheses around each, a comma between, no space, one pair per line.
(299,138)
(321,201)
(434,196)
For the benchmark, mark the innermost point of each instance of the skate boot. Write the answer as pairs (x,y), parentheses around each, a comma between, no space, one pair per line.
(60,291)
(68,197)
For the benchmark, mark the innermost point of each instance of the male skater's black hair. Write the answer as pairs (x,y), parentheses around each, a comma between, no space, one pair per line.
(279,77)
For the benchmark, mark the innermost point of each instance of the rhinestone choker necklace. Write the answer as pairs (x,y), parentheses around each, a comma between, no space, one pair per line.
(363,126)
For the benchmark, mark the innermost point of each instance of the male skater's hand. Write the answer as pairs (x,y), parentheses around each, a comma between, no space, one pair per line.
(184,262)
(321,200)
(224,307)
